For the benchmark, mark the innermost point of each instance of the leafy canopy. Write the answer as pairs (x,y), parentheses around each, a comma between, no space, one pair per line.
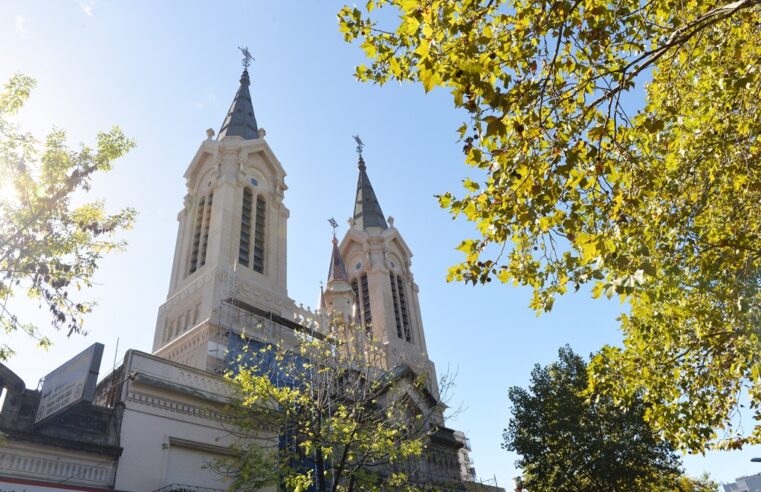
(567,442)
(619,145)
(49,247)
(325,415)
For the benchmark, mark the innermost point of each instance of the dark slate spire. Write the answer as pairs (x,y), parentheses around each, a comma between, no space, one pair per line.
(240,120)
(337,267)
(367,210)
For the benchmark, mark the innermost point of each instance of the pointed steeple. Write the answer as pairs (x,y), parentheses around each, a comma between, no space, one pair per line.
(367,210)
(338,297)
(337,269)
(240,120)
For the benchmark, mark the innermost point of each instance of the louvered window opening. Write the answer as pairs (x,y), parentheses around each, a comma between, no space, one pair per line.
(365,300)
(245,228)
(395,297)
(196,237)
(259,235)
(355,288)
(206,220)
(362,298)
(403,306)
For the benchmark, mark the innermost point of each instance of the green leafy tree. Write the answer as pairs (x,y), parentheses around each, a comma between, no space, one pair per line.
(49,247)
(618,144)
(701,484)
(569,443)
(326,414)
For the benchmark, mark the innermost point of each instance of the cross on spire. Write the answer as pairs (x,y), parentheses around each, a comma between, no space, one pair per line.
(247,57)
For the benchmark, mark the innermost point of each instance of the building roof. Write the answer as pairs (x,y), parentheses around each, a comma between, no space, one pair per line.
(337,269)
(367,210)
(240,120)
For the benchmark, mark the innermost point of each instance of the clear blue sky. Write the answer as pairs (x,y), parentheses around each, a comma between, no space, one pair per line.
(167,71)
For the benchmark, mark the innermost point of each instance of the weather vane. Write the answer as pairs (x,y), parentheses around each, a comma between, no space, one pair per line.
(360,145)
(247,58)
(333,224)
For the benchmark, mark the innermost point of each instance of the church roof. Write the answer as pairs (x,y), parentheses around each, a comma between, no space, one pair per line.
(337,269)
(367,210)
(240,120)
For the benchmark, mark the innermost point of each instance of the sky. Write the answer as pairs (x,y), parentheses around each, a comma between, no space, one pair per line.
(166,71)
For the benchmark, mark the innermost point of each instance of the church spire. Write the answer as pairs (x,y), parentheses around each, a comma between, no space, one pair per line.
(338,296)
(240,120)
(367,210)
(337,269)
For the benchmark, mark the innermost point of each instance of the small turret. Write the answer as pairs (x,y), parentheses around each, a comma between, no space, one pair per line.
(338,295)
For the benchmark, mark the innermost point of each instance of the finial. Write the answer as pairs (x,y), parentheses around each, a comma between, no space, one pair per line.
(334,225)
(247,58)
(210,133)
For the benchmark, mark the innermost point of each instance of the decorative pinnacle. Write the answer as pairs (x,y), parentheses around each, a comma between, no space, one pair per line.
(247,58)
(334,225)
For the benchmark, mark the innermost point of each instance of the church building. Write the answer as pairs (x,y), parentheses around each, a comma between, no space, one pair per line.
(230,263)
(228,277)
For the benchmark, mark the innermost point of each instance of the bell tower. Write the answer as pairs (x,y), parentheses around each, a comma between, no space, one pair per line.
(231,239)
(378,266)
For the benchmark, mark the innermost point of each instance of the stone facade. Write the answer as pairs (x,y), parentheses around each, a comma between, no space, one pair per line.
(173,425)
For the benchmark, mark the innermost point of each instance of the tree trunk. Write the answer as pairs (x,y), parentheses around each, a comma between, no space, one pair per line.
(319,460)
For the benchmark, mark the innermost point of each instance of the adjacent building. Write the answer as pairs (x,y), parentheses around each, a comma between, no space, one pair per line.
(750,483)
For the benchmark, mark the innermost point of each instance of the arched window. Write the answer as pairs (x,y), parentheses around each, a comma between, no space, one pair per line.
(400,307)
(368,315)
(355,288)
(362,298)
(245,228)
(403,306)
(395,297)
(206,220)
(197,227)
(259,235)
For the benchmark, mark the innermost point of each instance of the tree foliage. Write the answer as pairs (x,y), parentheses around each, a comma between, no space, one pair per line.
(324,415)
(619,148)
(50,247)
(700,484)
(569,443)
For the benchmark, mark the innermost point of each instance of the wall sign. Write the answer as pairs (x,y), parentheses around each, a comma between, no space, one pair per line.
(70,384)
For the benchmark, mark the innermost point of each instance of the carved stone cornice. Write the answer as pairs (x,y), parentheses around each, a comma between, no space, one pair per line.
(176,406)
(45,465)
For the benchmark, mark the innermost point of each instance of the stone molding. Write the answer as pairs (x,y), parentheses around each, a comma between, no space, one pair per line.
(185,342)
(195,285)
(176,406)
(59,468)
